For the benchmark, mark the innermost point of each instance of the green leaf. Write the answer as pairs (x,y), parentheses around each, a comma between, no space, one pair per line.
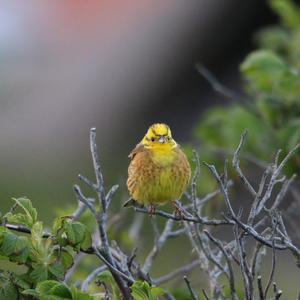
(65,256)
(15,247)
(37,231)
(22,281)
(39,273)
(268,73)
(51,289)
(22,250)
(29,216)
(75,232)
(263,67)
(37,236)
(45,287)
(58,224)
(8,290)
(288,11)
(17,218)
(78,295)
(107,278)
(60,290)
(31,292)
(87,240)
(57,270)
(8,244)
(141,290)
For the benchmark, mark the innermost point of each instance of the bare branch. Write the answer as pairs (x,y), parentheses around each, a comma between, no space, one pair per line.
(160,240)
(260,288)
(285,187)
(274,178)
(92,277)
(256,259)
(205,295)
(247,278)
(87,202)
(258,196)
(192,293)
(110,195)
(87,182)
(220,88)
(223,188)
(228,261)
(236,165)
(276,291)
(271,276)
(97,168)
(203,221)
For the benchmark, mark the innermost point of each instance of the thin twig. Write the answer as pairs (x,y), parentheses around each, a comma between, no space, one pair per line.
(228,261)
(89,280)
(160,240)
(236,165)
(260,288)
(203,221)
(192,293)
(271,276)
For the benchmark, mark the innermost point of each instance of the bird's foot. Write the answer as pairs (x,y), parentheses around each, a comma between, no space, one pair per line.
(151,210)
(177,210)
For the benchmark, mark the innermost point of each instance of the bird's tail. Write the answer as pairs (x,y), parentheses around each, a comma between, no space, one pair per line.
(132,203)
(129,203)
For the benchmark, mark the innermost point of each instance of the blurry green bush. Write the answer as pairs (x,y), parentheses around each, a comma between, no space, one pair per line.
(271,110)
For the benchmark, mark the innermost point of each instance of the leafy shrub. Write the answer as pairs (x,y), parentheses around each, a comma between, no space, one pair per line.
(271,110)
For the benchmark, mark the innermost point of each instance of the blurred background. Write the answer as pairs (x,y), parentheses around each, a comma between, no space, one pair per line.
(119,66)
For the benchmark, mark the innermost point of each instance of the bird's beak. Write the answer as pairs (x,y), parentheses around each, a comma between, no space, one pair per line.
(162,139)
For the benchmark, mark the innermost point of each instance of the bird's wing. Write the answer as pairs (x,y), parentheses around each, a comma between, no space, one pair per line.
(138,148)
(184,164)
(139,157)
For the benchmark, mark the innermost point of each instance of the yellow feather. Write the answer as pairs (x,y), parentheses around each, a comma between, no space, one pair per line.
(159,171)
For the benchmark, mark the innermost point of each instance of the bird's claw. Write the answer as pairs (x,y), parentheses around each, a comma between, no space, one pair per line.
(151,210)
(177,210)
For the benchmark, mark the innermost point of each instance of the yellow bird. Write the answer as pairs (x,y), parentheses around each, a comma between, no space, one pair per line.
(159,171)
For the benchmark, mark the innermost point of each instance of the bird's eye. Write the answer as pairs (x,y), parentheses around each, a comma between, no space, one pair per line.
(152,139)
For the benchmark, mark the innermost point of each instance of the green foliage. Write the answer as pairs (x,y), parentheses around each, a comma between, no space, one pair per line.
(288,11)
(7,288)
(28,217)
(141,290)
(54,290)
(46,257)
(72,233)
(107,279)
(271,77)
(272,82)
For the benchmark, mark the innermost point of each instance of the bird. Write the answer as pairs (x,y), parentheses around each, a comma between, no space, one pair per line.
(159,171)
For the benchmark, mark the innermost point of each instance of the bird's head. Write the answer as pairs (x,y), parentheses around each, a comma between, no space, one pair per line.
(159,137)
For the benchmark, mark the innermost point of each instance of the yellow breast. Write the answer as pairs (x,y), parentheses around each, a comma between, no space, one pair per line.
(164,155)
(157,176)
